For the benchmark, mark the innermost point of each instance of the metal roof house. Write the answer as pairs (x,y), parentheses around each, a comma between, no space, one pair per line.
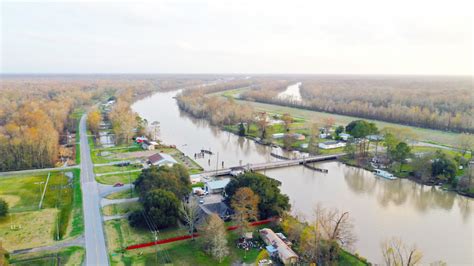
(160,159)
(331,145)
(216,186)
(278,247)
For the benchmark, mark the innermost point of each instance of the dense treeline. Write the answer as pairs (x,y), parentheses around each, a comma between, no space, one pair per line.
(265,90)
(211,108)
(37,113)
(444,103)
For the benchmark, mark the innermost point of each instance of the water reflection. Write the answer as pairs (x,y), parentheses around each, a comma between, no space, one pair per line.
(384,208)
(439,222)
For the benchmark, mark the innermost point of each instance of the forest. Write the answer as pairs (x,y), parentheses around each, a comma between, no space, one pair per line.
(39,114)
(443,103)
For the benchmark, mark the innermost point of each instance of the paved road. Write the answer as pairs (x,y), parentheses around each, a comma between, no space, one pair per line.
(96,251)
(29,171)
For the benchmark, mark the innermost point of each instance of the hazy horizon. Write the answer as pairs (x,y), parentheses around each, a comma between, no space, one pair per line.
(422,38)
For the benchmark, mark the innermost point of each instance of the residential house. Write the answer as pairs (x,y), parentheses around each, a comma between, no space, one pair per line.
(148,145)
(344,136)
(298,136)
(331,145)
(219,208)
(277,247)
(278,135)
(159,159)
(216,186)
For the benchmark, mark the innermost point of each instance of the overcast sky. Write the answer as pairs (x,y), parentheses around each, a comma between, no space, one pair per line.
(334,37)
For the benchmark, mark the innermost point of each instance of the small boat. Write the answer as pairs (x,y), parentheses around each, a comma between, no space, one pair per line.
(384,174)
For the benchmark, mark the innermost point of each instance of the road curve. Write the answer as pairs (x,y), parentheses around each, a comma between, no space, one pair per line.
(96,251)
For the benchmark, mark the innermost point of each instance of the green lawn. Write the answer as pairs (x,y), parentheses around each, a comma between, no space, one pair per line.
(121,208)
(97,158)
(115,168)
(125,194)
(66,256)
(122,178)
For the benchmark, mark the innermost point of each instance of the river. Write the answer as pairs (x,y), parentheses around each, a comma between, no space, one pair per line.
(292,93)
(439,222)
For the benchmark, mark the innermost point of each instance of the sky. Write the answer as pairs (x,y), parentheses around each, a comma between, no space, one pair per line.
(307,37)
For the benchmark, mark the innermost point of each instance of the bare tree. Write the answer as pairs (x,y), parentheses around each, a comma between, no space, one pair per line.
(189,212)
(466,143)
(214,238)
(335,226)
(396,253)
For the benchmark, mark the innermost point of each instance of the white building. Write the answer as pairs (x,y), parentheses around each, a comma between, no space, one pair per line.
(278,135)
(331,145)
(344,136)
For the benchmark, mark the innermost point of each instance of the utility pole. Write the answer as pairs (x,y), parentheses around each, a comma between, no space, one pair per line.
(217,163)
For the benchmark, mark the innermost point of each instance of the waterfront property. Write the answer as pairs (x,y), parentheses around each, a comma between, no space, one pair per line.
(277,247)
(216,186)
(149,145)
(159,159)
(331,145)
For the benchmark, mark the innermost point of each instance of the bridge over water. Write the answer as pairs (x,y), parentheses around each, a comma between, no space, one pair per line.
(273,165)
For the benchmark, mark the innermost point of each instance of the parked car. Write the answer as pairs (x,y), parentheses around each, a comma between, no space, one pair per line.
(118,184)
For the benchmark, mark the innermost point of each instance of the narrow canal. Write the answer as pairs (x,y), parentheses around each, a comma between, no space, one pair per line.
(440,223)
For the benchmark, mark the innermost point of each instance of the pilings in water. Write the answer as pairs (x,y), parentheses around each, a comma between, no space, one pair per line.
(315,168)
(279,156)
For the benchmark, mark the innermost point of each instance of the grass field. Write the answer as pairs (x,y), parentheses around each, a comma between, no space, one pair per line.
(66,256)
(125,194)
(60,216)
(114,168)
(112,179)
(96,153)
(121,208)
(37,229)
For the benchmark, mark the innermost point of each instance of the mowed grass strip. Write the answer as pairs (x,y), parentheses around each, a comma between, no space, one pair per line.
(115,178)
(66,256)
(114,168)
(125,194)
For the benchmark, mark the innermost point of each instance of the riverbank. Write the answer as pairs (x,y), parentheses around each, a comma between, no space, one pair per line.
(437,137)
(406,175)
